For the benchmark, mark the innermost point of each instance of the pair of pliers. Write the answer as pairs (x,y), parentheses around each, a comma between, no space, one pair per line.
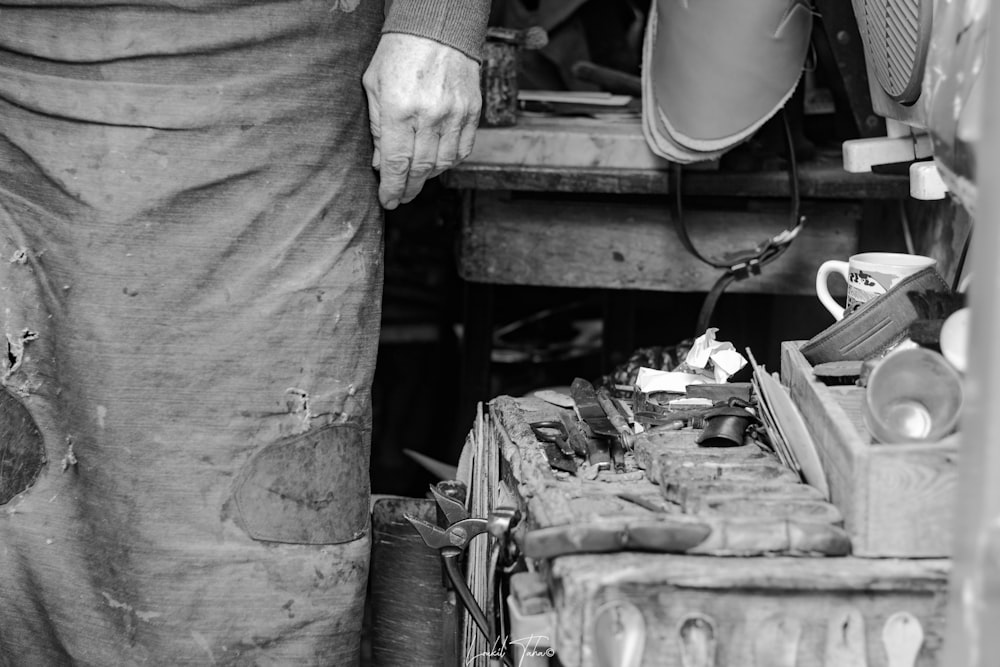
(451,541)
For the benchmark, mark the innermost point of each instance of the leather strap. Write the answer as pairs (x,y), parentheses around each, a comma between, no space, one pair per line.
(747,263)
(875,326)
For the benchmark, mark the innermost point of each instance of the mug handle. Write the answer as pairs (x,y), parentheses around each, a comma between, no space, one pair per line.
(823,291)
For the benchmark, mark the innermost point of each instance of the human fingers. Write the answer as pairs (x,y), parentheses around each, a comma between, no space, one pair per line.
(467,134)
(396,155)
(370,84)
(447,153)
(457,140)
(425,150)
(466,139)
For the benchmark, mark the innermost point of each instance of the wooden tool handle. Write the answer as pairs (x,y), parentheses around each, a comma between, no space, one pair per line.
(615,417)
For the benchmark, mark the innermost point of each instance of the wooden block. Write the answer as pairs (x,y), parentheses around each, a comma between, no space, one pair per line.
(634,245)
(897,500)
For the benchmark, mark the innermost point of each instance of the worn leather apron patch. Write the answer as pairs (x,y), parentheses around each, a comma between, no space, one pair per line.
(312,488)
(22,450)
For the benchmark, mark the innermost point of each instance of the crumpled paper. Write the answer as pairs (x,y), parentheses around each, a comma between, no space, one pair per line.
(708,361)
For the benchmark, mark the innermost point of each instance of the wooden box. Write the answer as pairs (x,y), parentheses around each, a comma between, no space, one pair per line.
(767,612)
(897,500)
(695,609)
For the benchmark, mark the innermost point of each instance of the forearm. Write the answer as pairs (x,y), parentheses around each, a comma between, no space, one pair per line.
(460,24)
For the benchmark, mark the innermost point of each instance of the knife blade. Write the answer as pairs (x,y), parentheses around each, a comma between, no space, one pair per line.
(589,409)
(603,440)
(593,413)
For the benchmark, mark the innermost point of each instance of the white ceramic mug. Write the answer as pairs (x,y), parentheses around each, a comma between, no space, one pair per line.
(868,275)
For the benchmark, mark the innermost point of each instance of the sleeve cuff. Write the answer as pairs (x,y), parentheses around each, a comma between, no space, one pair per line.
(460,25)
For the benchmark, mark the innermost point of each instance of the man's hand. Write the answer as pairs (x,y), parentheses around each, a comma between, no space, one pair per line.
(424,102)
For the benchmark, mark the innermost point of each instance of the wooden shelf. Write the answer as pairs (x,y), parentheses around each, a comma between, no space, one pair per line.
(823,178)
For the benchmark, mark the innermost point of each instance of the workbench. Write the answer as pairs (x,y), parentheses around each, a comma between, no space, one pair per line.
(772,585)
(583,202)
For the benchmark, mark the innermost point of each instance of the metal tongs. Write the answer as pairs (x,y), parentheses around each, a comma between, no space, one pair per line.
(453,539)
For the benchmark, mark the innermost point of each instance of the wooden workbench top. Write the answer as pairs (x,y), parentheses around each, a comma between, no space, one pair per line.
(823,178)
(746,502)
(611,156)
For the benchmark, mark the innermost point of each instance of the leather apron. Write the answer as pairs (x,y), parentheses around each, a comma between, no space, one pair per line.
(190,278)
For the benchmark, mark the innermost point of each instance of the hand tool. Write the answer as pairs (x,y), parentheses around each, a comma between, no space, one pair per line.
(651,415)
(598,447)
(556,444)
(625,434)
(554,432)
(617,453)
(573,434)
(451,542)
(585,443)
(590,411)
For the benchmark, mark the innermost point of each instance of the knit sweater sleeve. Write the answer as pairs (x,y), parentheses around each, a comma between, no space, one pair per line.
(460,24)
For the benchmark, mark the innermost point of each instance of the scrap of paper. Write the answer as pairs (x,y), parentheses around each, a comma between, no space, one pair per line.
(708,361)
(717,359)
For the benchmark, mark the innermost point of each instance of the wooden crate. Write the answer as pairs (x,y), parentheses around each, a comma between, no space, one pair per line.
(897,500)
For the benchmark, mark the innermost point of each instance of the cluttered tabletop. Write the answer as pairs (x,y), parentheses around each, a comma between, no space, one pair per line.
(738,518)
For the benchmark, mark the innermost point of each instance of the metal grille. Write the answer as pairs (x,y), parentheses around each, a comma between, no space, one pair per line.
(896,34)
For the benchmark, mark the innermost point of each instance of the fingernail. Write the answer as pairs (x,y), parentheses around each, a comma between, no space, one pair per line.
(393,203)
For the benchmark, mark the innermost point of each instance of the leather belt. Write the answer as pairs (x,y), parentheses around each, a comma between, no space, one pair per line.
(875,326)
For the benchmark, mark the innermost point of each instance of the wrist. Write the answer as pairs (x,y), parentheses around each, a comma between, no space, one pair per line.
(460,25)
